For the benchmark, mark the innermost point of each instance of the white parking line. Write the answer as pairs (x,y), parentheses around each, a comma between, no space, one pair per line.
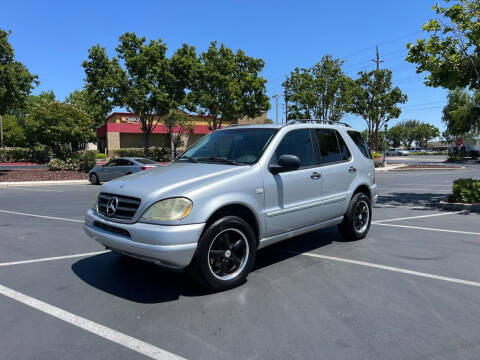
(40,216)
(425,228)
(418,217)
(90,326)
(391,268)
(52,258)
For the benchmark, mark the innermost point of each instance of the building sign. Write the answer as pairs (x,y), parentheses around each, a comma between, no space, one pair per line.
(130,119)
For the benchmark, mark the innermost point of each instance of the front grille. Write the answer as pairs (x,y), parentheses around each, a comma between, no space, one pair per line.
(111,229)
(127,206)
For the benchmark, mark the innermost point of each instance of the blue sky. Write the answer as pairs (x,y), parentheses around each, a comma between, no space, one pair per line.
(52,38)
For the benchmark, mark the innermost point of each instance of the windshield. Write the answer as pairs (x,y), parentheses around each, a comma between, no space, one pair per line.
(235,146)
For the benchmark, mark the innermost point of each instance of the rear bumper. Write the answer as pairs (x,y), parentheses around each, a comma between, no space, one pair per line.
(169,246)
(374,195)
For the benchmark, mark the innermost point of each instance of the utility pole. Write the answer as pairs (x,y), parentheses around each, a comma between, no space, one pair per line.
(377,60)
(276,107)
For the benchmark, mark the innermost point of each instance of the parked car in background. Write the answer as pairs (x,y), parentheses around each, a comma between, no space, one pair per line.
(397,152)
(417,150)
(119,167)
(235,191)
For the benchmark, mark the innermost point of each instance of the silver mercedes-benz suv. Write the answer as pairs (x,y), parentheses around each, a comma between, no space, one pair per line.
(235,191)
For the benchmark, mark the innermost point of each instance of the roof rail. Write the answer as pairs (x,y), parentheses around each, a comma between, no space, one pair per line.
(315,121)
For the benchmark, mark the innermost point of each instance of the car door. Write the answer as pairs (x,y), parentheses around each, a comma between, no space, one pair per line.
(337,170)
(108,170)
(292,199)
(123,168)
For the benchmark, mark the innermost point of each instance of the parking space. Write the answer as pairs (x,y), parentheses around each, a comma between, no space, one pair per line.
(411,289)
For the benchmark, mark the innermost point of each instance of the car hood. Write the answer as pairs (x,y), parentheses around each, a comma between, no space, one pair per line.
(170,180)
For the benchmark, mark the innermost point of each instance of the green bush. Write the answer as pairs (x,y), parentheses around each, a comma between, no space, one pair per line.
(101,156)
(466,191)
(82,160)
(156,153)
(376,155)
(86,159)
(37,154)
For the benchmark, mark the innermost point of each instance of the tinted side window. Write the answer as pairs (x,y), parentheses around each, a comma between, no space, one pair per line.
(361,144)
(328,145)
(299,143)
(344,152)
(112,163)
(123,162)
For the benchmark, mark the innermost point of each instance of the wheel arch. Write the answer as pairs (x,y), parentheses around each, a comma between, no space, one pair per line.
(236,209)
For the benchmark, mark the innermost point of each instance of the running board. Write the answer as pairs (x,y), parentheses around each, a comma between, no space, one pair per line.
(274,239)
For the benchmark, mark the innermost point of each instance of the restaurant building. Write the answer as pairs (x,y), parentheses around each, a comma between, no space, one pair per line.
(123,130)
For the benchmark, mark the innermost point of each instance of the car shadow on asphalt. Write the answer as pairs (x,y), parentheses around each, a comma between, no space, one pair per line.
(422,200)
(147,283)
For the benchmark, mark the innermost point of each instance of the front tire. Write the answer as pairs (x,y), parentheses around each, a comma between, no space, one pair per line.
(94,179)
(225,254)
(356,221)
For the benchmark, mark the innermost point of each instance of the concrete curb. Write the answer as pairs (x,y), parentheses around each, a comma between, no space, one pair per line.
(390,167)
(434,169)
(445,205)
(52,182)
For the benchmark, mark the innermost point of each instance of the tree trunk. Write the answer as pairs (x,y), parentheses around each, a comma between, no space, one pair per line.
(146,143)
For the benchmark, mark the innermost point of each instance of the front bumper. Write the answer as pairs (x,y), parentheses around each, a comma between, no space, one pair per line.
(169,246)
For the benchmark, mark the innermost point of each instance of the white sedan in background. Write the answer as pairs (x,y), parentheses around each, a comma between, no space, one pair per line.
(397,152)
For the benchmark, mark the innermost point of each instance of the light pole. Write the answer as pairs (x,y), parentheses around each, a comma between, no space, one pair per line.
(385,145)
(276,107)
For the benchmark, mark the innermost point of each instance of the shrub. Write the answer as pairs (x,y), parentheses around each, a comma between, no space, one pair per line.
(376,155)
(56,165)
(101,156)
(466,191)
(86,159)
(127,153)
(37,154)
(156,153)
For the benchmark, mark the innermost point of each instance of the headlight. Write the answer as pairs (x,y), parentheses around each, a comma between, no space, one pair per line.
(93,205)
(169,209)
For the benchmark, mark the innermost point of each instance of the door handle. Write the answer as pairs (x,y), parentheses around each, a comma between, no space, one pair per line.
(352,170)
(316,175)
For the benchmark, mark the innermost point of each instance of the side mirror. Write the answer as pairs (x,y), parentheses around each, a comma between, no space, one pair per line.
(285,163)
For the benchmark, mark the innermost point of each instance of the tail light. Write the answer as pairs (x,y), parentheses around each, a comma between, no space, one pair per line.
(146,167)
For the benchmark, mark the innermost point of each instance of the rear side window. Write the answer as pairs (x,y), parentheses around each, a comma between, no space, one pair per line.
(331,146)
(145,161)
(361,144)
(299,143)
(123,162)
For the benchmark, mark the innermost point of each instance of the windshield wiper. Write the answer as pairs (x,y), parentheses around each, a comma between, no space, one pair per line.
(189,158)
(219,160)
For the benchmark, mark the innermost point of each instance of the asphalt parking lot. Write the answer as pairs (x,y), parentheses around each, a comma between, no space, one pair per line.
(410,290)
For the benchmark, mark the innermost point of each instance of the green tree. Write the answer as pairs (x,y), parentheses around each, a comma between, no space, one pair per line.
(322,91)
(16,82)
(408,135)
(394,136)
(462,112)
(178,124)
(376,101)
(95,106)
(141,78)
(13,134)
(451,55)
(58,124)
(424,133)
(227,86)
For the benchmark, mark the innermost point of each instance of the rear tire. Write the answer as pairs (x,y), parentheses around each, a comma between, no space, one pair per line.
(94,179)
(225,254)
(356,221)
